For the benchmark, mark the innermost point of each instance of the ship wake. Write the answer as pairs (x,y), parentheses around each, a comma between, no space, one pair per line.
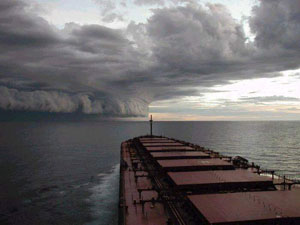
(104,198)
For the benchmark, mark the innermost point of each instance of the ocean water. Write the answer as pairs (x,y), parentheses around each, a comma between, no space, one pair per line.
(68,172)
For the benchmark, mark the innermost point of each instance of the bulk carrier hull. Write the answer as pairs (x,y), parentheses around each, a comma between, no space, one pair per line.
(164,181)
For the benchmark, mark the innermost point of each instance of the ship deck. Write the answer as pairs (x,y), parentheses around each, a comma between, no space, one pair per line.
(168,182)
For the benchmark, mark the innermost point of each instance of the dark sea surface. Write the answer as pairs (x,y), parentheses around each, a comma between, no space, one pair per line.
(67,172)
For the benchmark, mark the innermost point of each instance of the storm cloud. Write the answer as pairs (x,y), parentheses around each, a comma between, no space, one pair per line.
(94,69)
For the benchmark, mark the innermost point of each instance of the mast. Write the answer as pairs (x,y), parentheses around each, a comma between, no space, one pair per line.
(151,125)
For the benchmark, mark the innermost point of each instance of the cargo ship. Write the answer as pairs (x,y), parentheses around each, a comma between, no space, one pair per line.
(164,181)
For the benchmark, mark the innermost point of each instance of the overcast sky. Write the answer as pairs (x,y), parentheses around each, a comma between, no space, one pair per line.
(175,59)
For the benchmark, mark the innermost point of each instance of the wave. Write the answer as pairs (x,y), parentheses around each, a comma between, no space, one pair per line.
(104,199)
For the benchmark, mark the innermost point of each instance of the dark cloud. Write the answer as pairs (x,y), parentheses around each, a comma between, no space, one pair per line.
(276,24)
(60,102)
(207,44)
(45,69)
(19,27)
(98,70)
(196,40)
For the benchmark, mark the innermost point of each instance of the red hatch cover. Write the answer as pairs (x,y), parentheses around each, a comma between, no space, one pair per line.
(169,148)
(216,176)
(179,155)
(153,139)
(158,141)
(271,207)
(218,180)
(162,144)
(194,164)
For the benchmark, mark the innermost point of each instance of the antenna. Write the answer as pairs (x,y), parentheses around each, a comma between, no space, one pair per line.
(151,125)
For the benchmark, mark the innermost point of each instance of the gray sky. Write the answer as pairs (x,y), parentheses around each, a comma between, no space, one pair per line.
(176,59)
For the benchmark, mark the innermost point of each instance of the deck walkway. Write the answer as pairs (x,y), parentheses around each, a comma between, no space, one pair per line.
(134,213)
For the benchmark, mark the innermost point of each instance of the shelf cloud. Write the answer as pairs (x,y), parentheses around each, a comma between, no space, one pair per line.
(93,69)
